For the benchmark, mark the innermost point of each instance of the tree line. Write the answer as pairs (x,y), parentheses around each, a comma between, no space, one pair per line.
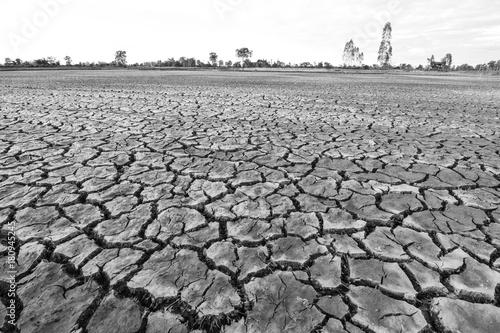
(352,58)
(243,53)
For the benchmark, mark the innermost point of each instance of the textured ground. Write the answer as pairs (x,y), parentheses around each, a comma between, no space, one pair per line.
(251,202)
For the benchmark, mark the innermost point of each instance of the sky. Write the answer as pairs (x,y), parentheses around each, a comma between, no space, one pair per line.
(288,30)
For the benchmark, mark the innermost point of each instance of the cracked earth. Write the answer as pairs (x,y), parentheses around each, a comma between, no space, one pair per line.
(150,202)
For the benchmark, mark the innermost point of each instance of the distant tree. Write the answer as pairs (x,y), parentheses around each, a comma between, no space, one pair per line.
(406,67)
(346,56)
(385,49)
(419,67)
(491,65)
(229,63)
(121,58)
(244,53)
(447,60)
(213,58)
(352,56)
(430,61)
(170,62)
(279,64)
(8,62)
(191,62)
(18,62)
(497,66)
(327,65)
(248,63)
(237,64)
(262,63)
(182,61)
(53,61)
(41,62)
(68,60)
(221,63)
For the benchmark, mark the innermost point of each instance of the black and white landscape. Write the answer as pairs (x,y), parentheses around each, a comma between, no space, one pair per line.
(348,188)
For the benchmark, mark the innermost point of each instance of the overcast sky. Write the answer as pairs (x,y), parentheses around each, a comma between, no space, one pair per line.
(286,30)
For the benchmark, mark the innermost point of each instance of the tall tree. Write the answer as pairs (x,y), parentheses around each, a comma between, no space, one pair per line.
(121,58)
(213,58)
(346,57)
(385,49)
(244,53)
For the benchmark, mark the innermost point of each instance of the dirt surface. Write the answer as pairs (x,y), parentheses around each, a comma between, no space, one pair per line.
(150,202)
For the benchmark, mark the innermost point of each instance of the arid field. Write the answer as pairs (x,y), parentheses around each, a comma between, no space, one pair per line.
(160,201)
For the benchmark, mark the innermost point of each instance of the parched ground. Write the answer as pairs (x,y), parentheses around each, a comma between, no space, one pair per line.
(150,202)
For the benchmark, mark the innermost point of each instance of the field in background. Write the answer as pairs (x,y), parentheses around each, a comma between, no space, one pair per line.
(335,70)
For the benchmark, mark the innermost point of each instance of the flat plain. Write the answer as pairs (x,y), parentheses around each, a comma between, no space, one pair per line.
(152,201)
